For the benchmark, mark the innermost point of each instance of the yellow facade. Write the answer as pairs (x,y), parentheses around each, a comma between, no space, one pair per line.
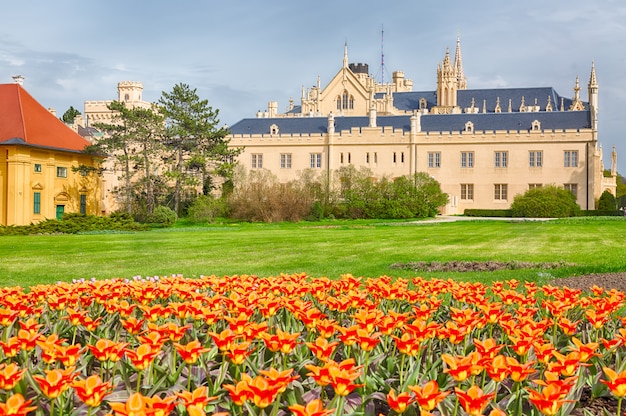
(26,172)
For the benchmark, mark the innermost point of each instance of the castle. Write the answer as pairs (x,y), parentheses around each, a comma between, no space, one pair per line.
(484,146)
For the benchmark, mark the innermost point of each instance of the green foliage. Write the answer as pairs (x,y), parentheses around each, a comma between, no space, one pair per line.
(499,213)
(163,216)
(545,202)
(194,144)
(205,208)
(600,213)
(77,223)
(621,186)
(607,202)
(69,115)
(417,196)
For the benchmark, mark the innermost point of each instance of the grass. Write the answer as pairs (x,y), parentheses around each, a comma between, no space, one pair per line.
(330,248)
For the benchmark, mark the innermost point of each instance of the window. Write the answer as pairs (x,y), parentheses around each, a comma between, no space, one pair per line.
(38,167)
(535,158)
(349,158)
(61,172)
(572,187)
(467,159)
(534,185)
(402,157)
(367,157)
(37,203)
(500,191)
(434,159)
(395,157)
(570,158)
(316,160)
(467,191)
(285,160)
(257,160)
(375,157)
(83,204)
(501,159)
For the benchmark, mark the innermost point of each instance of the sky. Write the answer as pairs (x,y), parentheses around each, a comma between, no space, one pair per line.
(241,54)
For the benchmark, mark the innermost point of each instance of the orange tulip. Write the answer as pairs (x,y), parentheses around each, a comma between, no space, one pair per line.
(263,392)
(237,353)
(198,397)
(161,406)
(487,348)
(240,393)
(616,382)
(68,354)
(519,372)
(585,351)
(497,368)
(326,327)
(107,350)
(16,406)
(548,401)
(429,396)
(190,353)
(132,325)
(10,375)
(313,408)
(281,341)
(11,347)
(399,403)
(91,390)
(55,382)
(474,401)
(460,368)
(143,357)
(367,340)
(224,339)
(136,405)
(407,344)
(280,379)
(322,348)
(567,365)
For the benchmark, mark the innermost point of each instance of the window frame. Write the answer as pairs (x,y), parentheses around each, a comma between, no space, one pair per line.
(434,160)
(467,160)
(570,158)
(256,160)
(501,159)
(62,172)
(36,202)
(315,160)
(535,158)
(467,192)
(500,191)
(285,160)
(37,168)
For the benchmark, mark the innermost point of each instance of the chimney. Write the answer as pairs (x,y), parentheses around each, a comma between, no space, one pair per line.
(18,79)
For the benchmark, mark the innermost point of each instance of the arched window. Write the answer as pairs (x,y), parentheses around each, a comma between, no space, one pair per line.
(338,103)
(423,103)
(273,129)
(469,127)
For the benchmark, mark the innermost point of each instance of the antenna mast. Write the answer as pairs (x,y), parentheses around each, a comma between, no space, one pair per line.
(382,54)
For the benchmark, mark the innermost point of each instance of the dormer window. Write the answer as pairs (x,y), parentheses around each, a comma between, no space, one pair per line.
(423,103)
(536,125)
(273,129)
(469,127)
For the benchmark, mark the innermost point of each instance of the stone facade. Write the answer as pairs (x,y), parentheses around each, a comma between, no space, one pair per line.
(484,146)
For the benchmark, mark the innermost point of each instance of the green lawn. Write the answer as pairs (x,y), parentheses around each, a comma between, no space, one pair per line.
(363,248)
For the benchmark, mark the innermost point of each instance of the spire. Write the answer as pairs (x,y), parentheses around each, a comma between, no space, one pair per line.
(593,82)
(345,54)
(576,105)
(461,81)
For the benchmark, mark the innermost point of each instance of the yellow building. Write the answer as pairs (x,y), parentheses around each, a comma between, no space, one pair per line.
(39,161)
(484,146)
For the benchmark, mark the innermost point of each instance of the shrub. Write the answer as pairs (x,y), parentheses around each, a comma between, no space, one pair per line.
(607,202)
(501,213)
(77,223)
(206,208)
(163,216)
(545,202)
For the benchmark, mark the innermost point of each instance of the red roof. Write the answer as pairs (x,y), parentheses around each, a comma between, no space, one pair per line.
(24,121)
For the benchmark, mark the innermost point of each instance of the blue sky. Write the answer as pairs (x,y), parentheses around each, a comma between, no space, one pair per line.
(241,54)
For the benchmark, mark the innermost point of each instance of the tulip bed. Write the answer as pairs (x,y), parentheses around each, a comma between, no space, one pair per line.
(292,344)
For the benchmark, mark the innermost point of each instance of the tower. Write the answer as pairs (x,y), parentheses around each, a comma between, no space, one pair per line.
(446,83)
(129,91)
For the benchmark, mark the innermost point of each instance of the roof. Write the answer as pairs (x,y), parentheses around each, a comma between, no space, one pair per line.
(409,101)
(514,121)
(24,121)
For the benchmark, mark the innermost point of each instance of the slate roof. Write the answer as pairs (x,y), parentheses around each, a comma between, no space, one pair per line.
(514,121)
(24,121)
